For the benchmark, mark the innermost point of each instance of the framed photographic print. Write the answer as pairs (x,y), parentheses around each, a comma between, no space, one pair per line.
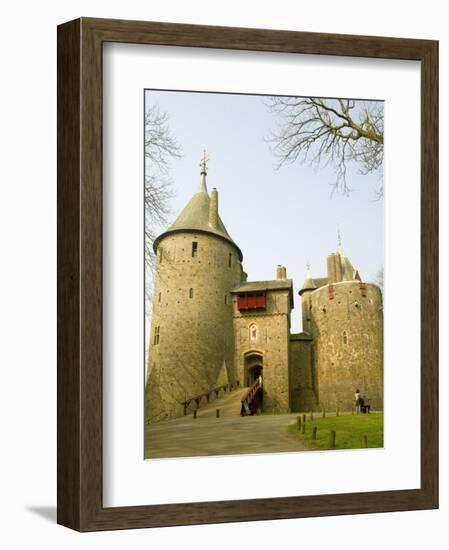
(247,274)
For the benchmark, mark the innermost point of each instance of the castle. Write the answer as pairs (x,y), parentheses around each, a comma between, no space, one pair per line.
(210,326)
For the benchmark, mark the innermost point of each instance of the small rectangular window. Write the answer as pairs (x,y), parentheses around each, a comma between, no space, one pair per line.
(190,292)
(230,260)
(157,331)
(226,298)
(194,249)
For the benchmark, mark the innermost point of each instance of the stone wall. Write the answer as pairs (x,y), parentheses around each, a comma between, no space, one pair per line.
(306,312)
(302,390)
(272,343)
(347,351)
(200,339)
(191,338)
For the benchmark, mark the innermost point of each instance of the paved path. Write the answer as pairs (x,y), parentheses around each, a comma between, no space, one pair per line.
(228,435)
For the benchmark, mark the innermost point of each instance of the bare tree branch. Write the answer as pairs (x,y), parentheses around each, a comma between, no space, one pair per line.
(160,148)
(322,132)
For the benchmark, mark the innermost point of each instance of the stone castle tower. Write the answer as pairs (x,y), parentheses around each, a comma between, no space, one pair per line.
(191,340)
(344,318)
(210,326)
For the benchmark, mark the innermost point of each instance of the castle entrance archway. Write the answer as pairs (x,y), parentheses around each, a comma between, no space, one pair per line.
(253,367)
(254,373)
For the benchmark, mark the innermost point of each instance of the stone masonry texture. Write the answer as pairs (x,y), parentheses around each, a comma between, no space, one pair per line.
(192,312)
(200,338)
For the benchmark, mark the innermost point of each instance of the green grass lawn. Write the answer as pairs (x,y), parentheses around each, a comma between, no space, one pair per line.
(348,428)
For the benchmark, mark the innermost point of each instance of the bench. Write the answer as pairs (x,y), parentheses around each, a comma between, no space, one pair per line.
(365,406)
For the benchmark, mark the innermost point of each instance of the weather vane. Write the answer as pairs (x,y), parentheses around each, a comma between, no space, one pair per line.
(204,161)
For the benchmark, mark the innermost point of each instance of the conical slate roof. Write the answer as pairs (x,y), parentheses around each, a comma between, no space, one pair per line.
(309,284)
(195,218)
(312,284)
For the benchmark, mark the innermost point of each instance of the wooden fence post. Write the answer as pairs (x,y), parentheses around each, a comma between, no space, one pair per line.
(217,413)
(364,441)
(194,413)
(298,422)
(332,439)
(314,433)
(337,413)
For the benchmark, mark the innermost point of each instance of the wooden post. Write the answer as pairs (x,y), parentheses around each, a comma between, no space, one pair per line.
(364,441)
(303,428)
(337,413)
(304,418)
(314,433)
(298,422)
(217,413)
(332,439)
(194,413)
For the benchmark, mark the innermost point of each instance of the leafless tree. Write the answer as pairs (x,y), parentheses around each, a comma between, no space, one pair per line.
(160,148)
(332,132)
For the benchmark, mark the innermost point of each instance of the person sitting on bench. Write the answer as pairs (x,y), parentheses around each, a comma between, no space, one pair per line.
(365,405)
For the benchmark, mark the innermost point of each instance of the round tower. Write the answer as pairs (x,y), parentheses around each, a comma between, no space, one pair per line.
(347,330)
(191,338)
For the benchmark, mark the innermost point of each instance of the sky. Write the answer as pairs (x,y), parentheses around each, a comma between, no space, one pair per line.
(287,216)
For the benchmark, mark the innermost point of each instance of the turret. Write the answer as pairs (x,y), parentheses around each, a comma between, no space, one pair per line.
(191,338)
(343,315)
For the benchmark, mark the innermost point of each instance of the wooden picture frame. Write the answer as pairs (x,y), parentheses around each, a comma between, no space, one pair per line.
(80,504)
